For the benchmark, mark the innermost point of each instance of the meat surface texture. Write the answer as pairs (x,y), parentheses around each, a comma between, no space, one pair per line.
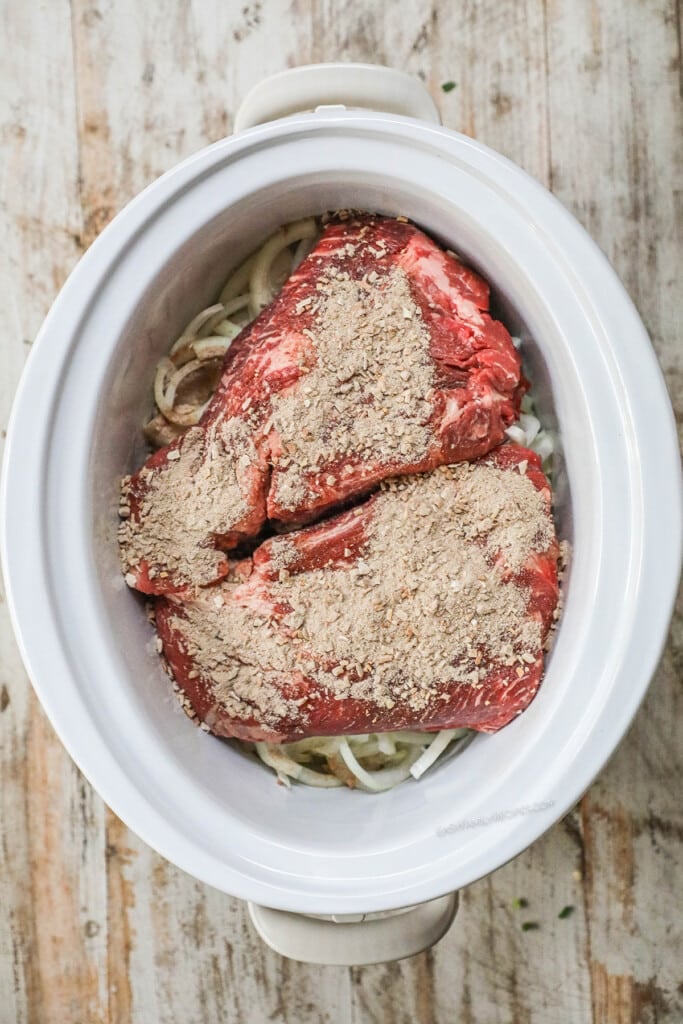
(378,359)
(426,606)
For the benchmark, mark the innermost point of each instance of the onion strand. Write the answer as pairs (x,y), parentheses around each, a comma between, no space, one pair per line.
(259,285)
(375,762)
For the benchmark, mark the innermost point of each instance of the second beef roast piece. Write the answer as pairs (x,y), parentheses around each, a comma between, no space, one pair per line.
(427,607)
(377,358)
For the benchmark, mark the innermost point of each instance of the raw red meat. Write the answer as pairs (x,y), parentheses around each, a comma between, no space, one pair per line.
(288,673)
(474,395)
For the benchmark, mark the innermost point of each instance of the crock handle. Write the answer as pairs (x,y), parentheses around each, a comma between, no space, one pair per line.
(352,940)
(354,85)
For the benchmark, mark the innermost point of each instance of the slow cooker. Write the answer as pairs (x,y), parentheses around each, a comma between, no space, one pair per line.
(327,872)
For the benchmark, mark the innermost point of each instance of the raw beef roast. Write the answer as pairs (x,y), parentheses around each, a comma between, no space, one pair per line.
(426,606)
(377,359)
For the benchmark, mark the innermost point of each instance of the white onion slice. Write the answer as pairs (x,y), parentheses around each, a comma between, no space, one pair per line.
(282,764)
(386,744)
(259,284)
(407,753)
(186,415)
(234,305)
(411,737)
(516,434)
(434,750)
(238,281)
(165,369)
(544,446)
(301,252)
(194,326)
(214,347)
(280,270)
(228,329)
(176,378)
(530,425)
(385,778)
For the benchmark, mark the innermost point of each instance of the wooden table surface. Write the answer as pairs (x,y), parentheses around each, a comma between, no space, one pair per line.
(99,97)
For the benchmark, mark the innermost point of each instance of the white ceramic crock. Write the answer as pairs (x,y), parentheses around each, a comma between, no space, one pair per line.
(75,428)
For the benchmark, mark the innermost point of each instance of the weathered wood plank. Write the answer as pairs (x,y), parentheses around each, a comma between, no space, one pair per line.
(68,894)
(192,956)
(616,136)
(487,967)
(52,891)
(168,86)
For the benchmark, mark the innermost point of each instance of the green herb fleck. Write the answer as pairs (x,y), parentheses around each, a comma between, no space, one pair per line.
(520,903)
(448,86)
(566,912)
(530,926)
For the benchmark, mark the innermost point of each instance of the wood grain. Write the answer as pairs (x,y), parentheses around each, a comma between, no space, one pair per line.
(96,100)
(52,962)
(625,75)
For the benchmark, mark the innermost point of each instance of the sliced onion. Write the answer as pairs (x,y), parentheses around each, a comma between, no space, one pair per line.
(209,327)
(405,751)
(187,415)
(385,778)
(259,285)
(210,322)
(165,369)
(323,746)
(301,252)
(321,779)
(176,378)
(364,746)
(160,432)
(192,329)
(214,347)
(437,746)
(544,446)
(238,280)
(530,425)
(228,329)
(234,305)
(386,744)
(280,270)
(516,434)
(412,737)
(287,767)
